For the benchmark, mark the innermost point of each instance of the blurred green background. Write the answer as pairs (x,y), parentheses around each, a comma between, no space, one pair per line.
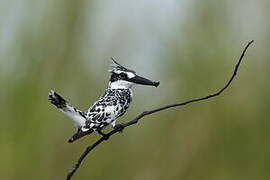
(191,46)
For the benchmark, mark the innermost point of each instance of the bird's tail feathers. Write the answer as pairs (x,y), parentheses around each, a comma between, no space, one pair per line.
(57,100)
(74,114)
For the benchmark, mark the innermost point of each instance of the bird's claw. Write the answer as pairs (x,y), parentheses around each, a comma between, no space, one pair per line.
(105,136)
(119,127)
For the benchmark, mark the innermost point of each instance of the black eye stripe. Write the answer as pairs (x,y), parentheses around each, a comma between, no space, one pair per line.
(115,76)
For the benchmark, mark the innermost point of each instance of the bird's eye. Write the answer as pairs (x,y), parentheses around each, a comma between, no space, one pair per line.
(122,75)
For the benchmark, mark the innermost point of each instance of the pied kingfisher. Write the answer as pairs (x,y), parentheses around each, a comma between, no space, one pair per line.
(111,105)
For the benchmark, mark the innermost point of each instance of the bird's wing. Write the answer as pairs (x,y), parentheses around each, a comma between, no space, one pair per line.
(102,113)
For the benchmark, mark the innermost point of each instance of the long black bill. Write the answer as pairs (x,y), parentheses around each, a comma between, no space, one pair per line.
(143,81)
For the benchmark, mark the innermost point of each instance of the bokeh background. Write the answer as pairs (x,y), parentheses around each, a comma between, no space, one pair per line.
(191,46)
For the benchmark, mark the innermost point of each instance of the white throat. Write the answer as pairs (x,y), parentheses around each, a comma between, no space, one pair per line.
(121,84)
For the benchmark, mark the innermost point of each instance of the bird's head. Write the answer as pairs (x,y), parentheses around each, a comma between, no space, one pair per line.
(122,77)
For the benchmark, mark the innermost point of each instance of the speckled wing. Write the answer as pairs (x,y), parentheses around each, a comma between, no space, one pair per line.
(102,113)
(107,109)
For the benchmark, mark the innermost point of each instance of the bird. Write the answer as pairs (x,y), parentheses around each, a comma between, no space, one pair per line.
(109,107)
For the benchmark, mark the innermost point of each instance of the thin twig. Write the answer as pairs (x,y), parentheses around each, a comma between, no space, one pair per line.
(140,116)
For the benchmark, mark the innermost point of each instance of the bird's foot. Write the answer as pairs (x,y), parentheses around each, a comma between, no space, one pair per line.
(104,135)
(119,127)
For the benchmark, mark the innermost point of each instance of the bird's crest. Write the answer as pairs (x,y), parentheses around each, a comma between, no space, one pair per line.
(118,68)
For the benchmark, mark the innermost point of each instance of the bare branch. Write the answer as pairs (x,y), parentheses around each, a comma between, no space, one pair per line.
(121,127)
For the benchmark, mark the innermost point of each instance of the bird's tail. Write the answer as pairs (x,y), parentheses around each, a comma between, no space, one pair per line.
(74,114)
(57,100)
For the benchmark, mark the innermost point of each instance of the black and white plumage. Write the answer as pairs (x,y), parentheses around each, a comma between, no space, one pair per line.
(108,108)
(111,105)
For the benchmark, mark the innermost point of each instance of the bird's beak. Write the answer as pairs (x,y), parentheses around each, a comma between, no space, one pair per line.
(144,81)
